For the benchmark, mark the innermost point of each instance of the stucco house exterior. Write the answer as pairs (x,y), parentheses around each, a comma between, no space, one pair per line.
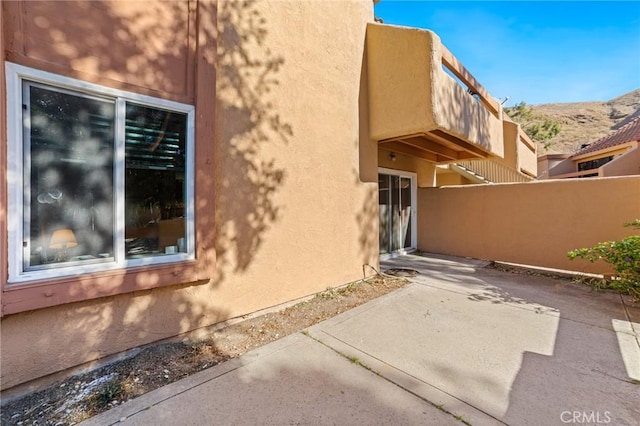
(167,166)
(518,165)
(613,155)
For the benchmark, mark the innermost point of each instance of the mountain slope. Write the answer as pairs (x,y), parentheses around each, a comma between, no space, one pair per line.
(586,122)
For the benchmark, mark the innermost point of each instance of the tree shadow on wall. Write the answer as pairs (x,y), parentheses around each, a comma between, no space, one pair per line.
(368,220)
(247,176)
(367,217)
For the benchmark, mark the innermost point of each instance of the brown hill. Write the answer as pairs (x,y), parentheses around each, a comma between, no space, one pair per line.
(586,122)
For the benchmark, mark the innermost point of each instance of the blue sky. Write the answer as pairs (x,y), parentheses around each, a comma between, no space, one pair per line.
(536,52)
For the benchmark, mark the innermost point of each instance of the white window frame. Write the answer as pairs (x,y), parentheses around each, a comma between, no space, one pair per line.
(15,75)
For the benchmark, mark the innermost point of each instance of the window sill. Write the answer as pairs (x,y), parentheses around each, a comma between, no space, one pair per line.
(52,292)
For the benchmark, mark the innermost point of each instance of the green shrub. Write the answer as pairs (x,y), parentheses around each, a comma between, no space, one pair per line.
(623,255)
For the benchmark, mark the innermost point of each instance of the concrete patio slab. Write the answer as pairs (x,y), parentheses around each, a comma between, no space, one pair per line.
(578,302)
(293,381)
(470,350)
(488,347)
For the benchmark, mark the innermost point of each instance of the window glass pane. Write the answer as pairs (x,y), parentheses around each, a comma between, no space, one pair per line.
(69,203)
(155,155)
(594,164)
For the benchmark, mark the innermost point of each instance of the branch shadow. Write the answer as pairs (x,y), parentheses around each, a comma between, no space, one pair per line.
(247,178)
(367,217)
(533,347)
(155,43)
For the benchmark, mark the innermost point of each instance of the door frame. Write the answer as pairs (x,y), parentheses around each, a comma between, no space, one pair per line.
(414,214)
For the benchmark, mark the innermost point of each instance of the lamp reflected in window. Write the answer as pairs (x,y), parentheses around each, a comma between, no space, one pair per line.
(62,240)
(79,203)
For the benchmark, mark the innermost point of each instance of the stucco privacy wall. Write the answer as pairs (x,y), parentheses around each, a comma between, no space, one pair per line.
(291,215)
(624,165)
(532,223)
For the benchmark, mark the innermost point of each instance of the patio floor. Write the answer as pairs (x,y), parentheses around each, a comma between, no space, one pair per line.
(463,342)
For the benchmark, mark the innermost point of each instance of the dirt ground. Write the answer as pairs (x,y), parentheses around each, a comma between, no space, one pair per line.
(79,397)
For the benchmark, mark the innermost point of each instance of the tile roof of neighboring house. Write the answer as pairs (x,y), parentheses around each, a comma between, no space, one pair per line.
(627,133)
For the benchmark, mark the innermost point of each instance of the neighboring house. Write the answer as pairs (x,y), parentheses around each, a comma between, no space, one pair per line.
(613,155)
(166,166)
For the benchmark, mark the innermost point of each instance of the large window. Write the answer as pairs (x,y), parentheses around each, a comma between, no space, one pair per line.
(594,164)
(98,178)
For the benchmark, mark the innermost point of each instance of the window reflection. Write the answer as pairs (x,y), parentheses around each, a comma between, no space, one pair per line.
(71,215)
(155,154)
(70,142)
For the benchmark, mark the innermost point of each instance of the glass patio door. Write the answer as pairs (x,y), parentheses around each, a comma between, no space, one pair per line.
(396,194)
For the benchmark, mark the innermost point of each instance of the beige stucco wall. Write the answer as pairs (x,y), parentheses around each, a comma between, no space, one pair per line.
(451,178)
(527,159)
(519,154)
(154,40)
(286,174)
(551,165)
(624,165)
(425,170)
(409,92)
(532,223)
(511,141)
(404,104)
(456,111)
(287,154)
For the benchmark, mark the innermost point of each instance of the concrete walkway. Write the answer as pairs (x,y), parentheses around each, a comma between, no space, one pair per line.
(462,343)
